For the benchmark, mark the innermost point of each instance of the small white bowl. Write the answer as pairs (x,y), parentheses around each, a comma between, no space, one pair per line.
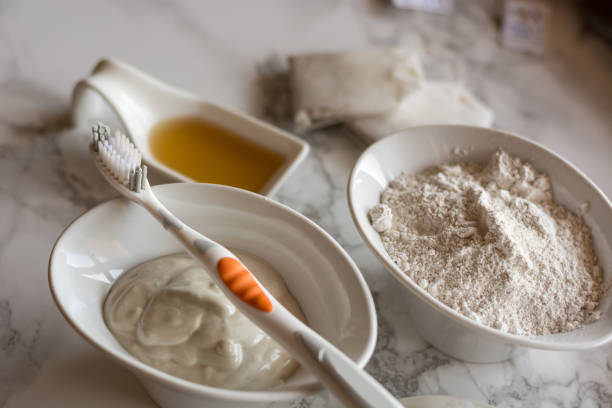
(415,149)
(117,235)
(440,401)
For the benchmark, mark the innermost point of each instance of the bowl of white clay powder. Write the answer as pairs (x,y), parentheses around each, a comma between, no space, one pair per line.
(501,243)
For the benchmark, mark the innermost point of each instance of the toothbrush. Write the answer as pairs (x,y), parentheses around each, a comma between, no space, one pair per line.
(119,161)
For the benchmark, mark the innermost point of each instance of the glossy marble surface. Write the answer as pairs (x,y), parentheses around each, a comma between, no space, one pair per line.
(225,52)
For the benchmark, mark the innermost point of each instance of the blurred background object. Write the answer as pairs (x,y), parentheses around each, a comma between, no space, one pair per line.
(597,16)
(526,25)
(433,6)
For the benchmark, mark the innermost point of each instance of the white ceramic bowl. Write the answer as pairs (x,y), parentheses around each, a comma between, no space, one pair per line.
(117,235)
(415,149)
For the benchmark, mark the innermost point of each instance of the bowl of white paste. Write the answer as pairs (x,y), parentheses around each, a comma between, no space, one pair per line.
(110,239)
(414,150)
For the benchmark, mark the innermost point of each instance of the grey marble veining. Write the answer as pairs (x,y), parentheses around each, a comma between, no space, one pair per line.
(222,51)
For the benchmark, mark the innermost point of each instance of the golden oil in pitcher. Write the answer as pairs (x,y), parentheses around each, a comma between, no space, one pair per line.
(208,153)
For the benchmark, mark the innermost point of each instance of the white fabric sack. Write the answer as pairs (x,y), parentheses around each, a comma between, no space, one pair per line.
(431,104)
(333,87)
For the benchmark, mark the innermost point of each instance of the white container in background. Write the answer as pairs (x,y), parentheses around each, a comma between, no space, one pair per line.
(526,24)
(433,6)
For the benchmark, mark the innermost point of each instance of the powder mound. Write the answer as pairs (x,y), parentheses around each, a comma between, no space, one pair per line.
(489,241)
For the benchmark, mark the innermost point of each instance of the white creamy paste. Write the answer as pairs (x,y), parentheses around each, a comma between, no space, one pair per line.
(169,314)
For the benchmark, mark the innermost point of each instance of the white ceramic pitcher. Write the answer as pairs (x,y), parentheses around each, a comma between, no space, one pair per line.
(141,101)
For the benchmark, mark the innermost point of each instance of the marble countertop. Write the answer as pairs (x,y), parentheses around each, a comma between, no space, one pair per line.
(222,51)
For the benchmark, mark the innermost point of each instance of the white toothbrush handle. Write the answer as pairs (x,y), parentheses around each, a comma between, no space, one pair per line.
(349,383)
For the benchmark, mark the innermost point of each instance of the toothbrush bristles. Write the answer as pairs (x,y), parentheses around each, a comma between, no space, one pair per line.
(132,180)
(144,172)
(121,159)
(138,179)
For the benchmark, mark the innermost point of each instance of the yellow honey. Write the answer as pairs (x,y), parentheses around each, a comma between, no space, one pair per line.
(208,153)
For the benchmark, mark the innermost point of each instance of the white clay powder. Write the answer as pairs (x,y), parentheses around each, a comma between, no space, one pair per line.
(489,242)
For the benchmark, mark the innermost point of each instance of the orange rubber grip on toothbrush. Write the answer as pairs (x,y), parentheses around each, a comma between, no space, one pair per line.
(240,281)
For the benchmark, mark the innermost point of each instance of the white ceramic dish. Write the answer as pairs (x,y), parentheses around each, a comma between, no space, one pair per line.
(115,236)
(141,101)
(415,149)
(440,401)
